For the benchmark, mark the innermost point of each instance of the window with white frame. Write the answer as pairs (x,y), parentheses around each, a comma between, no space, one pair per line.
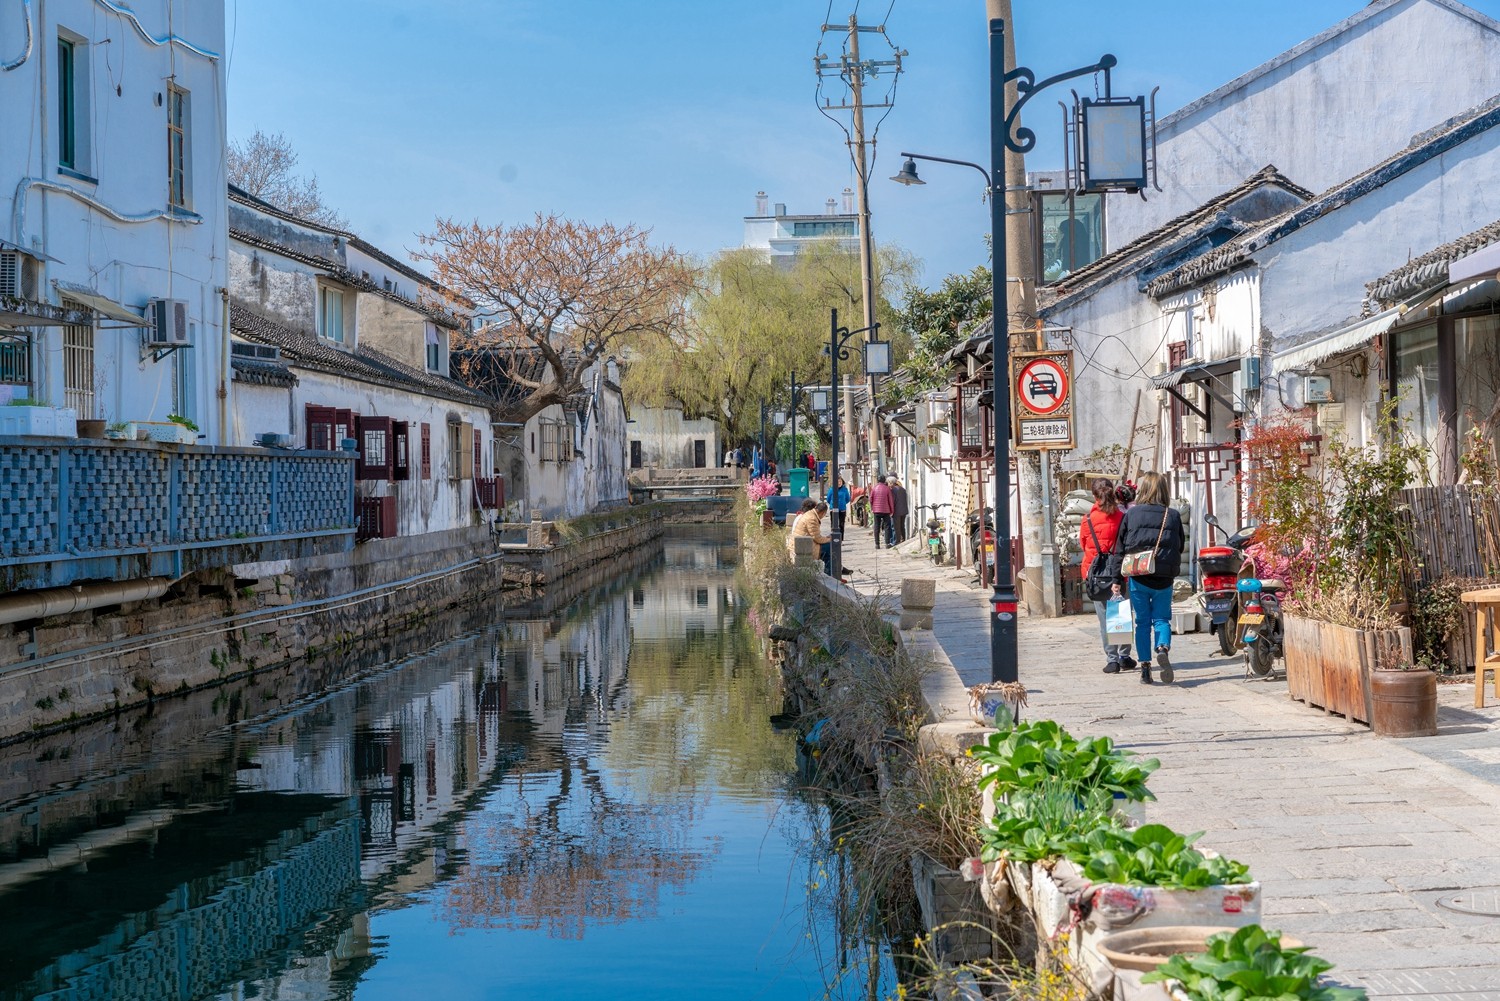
(332,314)
(434,349)
(178,178)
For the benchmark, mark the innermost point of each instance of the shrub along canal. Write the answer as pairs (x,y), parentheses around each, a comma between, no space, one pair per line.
(587,804)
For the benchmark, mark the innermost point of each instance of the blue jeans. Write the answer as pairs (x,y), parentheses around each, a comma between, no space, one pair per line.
(1153,618)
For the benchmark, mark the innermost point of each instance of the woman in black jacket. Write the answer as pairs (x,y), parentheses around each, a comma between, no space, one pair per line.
(1149,525)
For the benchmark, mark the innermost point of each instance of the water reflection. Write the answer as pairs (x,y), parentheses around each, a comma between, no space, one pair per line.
(574,804)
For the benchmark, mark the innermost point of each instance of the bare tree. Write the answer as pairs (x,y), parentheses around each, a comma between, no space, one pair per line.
(263,166)
(560,295)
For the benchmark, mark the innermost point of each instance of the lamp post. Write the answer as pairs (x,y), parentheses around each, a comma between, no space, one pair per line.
(1004,135)
(877,362)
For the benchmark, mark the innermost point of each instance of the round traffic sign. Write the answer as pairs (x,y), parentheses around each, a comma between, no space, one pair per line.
(1042,386)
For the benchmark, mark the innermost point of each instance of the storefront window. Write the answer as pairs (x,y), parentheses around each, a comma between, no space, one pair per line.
(1478,371)
(1416,389)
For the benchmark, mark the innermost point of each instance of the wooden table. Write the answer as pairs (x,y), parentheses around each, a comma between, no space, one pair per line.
(1486,639)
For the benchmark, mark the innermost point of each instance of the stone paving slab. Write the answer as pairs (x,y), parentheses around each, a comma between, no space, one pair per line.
(1354,837)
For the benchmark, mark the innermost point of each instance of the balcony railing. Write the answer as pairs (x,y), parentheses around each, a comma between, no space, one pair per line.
(83,510)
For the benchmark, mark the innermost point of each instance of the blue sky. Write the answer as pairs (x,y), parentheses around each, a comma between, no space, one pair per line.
(671,114)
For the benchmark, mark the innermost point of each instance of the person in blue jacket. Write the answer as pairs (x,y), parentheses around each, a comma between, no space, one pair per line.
(838,504)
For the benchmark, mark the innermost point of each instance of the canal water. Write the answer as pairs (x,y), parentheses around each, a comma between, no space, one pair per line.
(590,802)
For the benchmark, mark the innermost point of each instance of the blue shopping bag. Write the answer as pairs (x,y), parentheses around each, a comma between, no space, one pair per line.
(1119,620)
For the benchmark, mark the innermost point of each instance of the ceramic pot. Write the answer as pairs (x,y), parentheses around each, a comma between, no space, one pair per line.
(91,429)
(1403,703)
(1144,949)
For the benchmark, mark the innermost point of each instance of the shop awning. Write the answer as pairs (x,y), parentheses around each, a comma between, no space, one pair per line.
(1356,334)
(100,304)
(1483,263)
(1203,371)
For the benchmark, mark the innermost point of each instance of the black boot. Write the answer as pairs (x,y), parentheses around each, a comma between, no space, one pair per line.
(1145,674)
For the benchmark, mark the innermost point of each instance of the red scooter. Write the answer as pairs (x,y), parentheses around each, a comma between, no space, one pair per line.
(1218,574)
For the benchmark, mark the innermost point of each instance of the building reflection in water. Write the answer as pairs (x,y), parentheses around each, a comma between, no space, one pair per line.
(543,774)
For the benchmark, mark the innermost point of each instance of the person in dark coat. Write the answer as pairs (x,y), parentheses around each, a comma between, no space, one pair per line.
(900,508)
(1151,524)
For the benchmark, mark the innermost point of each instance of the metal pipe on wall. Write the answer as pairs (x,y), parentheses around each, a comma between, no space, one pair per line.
(64,600)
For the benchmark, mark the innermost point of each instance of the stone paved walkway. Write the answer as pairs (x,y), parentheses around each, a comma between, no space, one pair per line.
(1359,841)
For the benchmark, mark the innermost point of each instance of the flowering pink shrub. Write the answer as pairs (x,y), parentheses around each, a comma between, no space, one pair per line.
(761,488)
(1298,569)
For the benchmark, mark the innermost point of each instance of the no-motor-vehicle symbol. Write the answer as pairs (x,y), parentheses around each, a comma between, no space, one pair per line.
(1042,386)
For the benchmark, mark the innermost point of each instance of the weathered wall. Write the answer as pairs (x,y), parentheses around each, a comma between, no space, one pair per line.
(667,439)
(213,630)
(1358,97)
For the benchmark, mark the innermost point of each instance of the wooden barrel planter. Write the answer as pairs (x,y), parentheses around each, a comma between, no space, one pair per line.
(1330,666)
(1404,703)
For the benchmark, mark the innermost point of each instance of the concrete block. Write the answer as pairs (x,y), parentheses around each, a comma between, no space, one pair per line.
(805,551)
(918,594)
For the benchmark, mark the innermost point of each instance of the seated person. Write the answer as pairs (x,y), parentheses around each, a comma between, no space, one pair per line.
(809,524)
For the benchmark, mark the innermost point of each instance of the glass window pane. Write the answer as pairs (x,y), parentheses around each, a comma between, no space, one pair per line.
(1416,388)
(1478,371)
(1071,233)
(66,137)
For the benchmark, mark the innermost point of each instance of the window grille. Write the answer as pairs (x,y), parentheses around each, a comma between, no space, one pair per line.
(78,365)
(426,451)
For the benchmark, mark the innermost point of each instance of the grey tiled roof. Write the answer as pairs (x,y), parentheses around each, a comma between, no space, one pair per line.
(1170,236)
(304,350)
(1423,147)
(262,373)
(1430,270)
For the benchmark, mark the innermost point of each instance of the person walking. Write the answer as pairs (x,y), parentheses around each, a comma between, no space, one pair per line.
(900,509)
(1151,526)
(1097,535)
(881,506)
(838,505)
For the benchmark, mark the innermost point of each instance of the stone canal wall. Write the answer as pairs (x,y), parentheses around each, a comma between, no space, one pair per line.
(217,627)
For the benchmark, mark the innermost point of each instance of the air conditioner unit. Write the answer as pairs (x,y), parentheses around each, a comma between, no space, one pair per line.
(169,323)
(10,273)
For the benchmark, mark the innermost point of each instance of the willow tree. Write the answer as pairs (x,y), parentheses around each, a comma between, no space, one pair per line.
(558,295)
(750,325)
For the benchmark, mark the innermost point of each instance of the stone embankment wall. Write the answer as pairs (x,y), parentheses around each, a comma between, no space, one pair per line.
(218,627)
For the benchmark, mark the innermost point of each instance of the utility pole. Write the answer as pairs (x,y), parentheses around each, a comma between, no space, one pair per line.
(1020,267)
(853,70)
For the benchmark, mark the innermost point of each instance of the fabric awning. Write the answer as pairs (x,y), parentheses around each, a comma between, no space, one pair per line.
(1483,263)
(1203,371)
(100,304)
(1355,335)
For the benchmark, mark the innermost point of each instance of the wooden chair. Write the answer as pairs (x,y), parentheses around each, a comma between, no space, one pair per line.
(1486,639)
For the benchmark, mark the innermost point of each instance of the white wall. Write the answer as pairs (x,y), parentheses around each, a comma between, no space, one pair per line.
(1324,115)
(110,228)
(667,439)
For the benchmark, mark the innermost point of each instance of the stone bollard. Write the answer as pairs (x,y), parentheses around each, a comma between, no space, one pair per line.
(917,598)
(536,532)
(806,552)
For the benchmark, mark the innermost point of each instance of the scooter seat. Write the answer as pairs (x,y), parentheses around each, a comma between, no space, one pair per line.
(1272,586)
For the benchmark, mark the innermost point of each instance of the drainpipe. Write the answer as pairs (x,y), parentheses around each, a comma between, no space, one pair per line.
(225,374)
(63,600)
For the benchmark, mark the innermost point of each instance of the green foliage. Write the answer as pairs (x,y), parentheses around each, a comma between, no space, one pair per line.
(1372,534)
(936,322)
(186,422)
(26,401)
(1154,855)
(1045,823)
(1031,755)
(1437,616)
(1250,964)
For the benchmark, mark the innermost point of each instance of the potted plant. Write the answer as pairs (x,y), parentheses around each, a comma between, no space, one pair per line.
(26,415)
(1250,964)
(96,423)
(119,431)
(1403,699)
(757,490)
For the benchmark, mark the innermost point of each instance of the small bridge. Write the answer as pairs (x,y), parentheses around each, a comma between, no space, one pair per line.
(686,484)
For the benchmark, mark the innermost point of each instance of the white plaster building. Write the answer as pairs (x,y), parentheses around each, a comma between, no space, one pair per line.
(1323,110)
(336,340)
(662,438)
(112,200)
(781,237)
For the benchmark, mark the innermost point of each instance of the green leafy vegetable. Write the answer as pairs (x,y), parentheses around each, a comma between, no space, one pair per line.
(1032,754)
(1154,855)
(1250,964)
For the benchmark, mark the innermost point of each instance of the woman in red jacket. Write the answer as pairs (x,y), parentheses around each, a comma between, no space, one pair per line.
(1103,524)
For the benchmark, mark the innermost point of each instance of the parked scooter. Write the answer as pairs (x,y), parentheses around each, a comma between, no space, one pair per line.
(1246,609)
(1218,569)
(936,547)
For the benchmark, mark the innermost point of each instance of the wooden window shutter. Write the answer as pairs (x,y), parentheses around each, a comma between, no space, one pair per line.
(466,470)
(375,437)
(401,450)
(426,451)
(319,422)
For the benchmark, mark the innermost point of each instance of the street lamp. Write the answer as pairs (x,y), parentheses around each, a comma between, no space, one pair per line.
(1005,134)
(877,362)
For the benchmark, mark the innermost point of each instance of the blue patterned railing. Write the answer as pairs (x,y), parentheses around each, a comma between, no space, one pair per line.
(82,510)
